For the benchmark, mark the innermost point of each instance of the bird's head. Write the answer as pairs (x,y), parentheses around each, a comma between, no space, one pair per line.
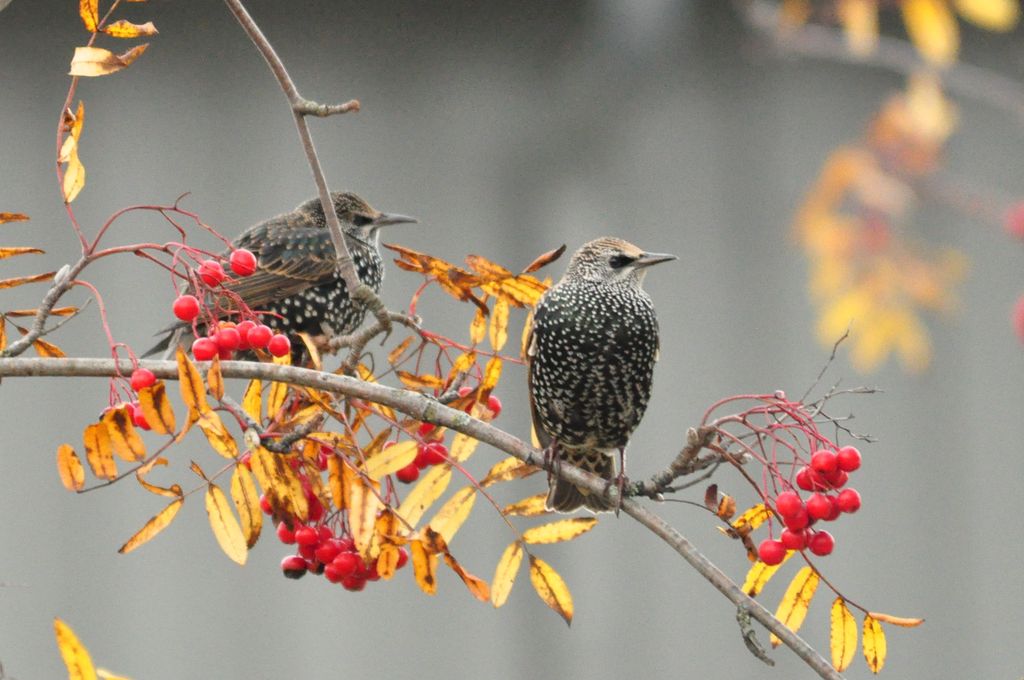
(612,261)
(361,220)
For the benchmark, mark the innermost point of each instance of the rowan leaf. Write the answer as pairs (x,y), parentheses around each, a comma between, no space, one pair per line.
(335,481)
(478,327)
(56,311)
(463,446)
(73,652)
(215,380)
(252,401)
(531,506)
(124,439)
(449,519)
(89,10)
(477,587)
(276,396)
(424,566)
(15,251)
(499,324)
(193,392)
(992,15)
(932,29)
(96,61)
(395,354)
(874,643)
(860,25)
(544,259)
(156,408)
(217,434)
(427,490)
(104,674)
(69,467)
(560,530)
(551,588)
(760,573)
(461,365)
(843,635)
(413,381)
(47,350)
(13,217)
(363,506)
(247,503)
(154,526)
(280,483)
(126,29)
(896,620)
(506,470)
(797,600)
(752,518)
(505,573)
(98,450)
(492,373)
(173,491)
(22,280)
(225,527)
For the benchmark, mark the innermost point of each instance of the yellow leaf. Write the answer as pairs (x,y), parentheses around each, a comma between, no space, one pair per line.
(499,324)
(76,656)
(424,566)
(156,408)
(753,517)
(193,392)
(104,674)
(462,448)
(247,503)
(220,439)
(797,600)
(225,526)
(462,364)
(126,29)
(174,491)
(560,530)
(280,483)
(478,588)
(505,573)
(530,506)
(312,351)
(843,637)
(427,490)
(362,514)
(507,469)
(335,481)
(551,588)
(992,15)
(154,526)
(397,352)
(96,61)
(72,474)
(896,620)
(932,29)
(760,573)
(860,25)
(252,401)
(215,380)
(14,252)
(413,381)
(89,10)
(453,513)
(492,373)
(478,328)
(22,280)
(874,643)
(125,441)
(98,450)
(275,399)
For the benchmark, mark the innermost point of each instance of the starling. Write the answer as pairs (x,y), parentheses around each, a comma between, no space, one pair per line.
(590,355)
(296,284)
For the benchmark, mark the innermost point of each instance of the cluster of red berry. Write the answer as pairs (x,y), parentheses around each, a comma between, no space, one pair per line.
(828,472)
(226,338)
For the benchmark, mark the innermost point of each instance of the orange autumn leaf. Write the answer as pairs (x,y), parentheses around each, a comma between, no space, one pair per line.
(450,518)
(47,350)
(842,636)
(89,10)
(797,600)
(507,469)
(874,643)
(14,252)
(173,491)
(193,391)
(96,61)
(426,491)
(499,324)
(215,380)
(760,573)
(124,439)
(413,381)
(22,280)
(897,620)
(154,526)
(217,434)
(247,503)
(551,588)
(395,354)
(992,15)
(312,351)
(73,652)
(224,525)
(69,467)
(391,459)
(477,587)
(335,482)
(56,311)
(478,327)
(544,259)
(98,450)
(860,25)
(505,573)
(156,408)
(363,506)
(560,530)
(530,506)
(12,217)
(126,29)
(424,566)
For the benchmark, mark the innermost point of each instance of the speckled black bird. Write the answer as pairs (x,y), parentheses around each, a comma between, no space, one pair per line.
(591,355)
(296,279)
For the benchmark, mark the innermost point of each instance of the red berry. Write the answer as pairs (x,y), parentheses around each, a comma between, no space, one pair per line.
(798,520)
(284,534)
(1014,221)
(465,390)
(435,453)
(837,479)
(373,574)
(138,418)
(228,338)
(259,336)
(142,377)
(332,574)
(347,544)
(324,533)
(819,506)
(809,479)
(328,550)
(353,583)
(347,563)
(204,349)
(848,501)
(186,307)
(403,558)
(771,551)
(308,552)
(849,459)
(788,503)
(224,354)
(279,345)
(425,430)
(833,511)
(243,329)
(265,505)
(824,462)
(211,273)
(821,543)
(243,262)
(316,509)
(794,540)
(306,536)
(315,566)
(409,474)
(494,406)
(293,566)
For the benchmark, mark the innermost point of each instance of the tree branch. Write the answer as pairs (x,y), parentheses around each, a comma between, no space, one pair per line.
(422,407)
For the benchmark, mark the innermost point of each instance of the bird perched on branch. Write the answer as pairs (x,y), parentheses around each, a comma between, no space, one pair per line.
(591,353)
(296,280)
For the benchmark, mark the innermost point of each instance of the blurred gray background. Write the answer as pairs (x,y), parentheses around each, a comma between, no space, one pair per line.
(510,128)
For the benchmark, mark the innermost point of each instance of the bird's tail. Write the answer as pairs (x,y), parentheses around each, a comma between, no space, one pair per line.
(170,333)
(565,497)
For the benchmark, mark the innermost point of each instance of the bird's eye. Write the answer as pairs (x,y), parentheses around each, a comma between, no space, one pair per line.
(361,220)
(620,261)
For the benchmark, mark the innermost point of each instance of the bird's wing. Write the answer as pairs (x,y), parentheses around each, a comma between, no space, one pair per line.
(531,349)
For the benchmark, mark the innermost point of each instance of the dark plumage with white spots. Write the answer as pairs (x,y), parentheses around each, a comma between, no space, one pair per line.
(591,355)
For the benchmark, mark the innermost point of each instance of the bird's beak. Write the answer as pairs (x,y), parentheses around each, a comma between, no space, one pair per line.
(385,219)
(648,259)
